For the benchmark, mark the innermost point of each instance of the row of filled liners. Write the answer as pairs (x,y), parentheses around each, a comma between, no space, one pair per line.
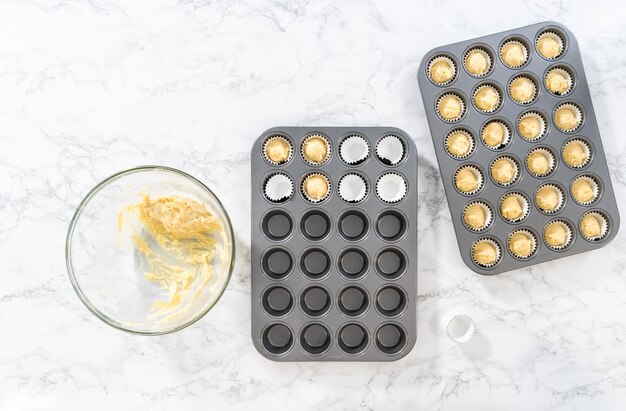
(479,61)
(316,339)
(558,235)
(316,149)
(353,187)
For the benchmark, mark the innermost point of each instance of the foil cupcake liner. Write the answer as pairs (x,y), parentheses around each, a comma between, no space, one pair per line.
(304,155)
(556,38)
(391,188)
(547,154)
(542,125)
(568,235)
(602,221)
(524,52)
(578,114)
(477,173)
(568,78)
(505,139)
(560,198)
(533,243)
(470,138)
(595,188)
(354,150)
(484,53)
(352,188)
(528,100)
(307,195)
(485,86)
(523,201)
(268,143)
(488,216)
(461,102)
(438,59)
(278,188)
(586,149)
(515,174)
(495,245)
(390,150)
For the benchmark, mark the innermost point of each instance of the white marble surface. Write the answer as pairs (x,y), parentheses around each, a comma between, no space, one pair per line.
(88,88)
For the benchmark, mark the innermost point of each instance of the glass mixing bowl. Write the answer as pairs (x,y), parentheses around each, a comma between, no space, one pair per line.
(108,273)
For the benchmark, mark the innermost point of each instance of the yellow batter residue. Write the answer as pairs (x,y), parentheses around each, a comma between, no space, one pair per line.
(177,238)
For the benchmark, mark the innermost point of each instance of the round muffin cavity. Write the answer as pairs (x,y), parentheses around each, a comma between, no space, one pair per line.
(391,188)
(593,226)
(557,234)
(514,207)
(352,188)
(576,153)
(495,134)
(522,89)
(531,126)
(486,252)
(514,53)
(459,143)
(278,187)
(486,98)
(568,117)
(585,190)
(468,179)
(477,62)
(540,162)
(450,107)
(549,45)
(549,198)
(441,70)
(504,171)
(522,244)
(316,187)
(277,150)
(559,81)
(316,149)
(354,150)
(477,216)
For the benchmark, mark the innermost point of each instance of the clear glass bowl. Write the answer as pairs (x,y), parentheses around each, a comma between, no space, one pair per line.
(109,278)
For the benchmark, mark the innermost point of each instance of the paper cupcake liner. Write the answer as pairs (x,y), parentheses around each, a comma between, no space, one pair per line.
(548,154)
(568,235)
(488,216)
(496,247)
(391,188)
(447,60)
(307,196)
(523,202)
(602,220)
(479,178)
(532,98)
(463,108)
(586,148)
(354,150)
(565,73)
(482,86)
(556,38)
(470,138)
(278,188)
(352,188)
(559,193)
(515,174)
(390,150)
(533,241)
(487,57)
(468,326)
(268,141)
(505,140)
(524,50)
(542,122)
(577,113)
(328,149)
(595,187)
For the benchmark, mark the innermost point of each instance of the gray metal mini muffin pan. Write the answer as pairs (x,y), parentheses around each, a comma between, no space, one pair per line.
(336,314)
(509,111)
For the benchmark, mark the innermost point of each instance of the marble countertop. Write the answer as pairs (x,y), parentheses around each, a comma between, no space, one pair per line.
(88,88)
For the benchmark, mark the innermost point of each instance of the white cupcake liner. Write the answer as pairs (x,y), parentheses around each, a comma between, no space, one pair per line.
(328,149)
(527,101)
(390,150)
(484,86)
(546,153)
(352,188)
(515,175)
(595,187)
(506,138)
(488,216)
(268,141)
(578,113)
(477,173)
(438,59)
(554,36)
(462,103)
(354,150)
(524,51)
(568,235)
(307,196)
(542,125)
(487,57)
(470,138)
(533,242)
(586,149)
(278,188)
(523,203)
(602,220)
(495,245)
(460,328)
(391,188)
(568,78)
(559,193)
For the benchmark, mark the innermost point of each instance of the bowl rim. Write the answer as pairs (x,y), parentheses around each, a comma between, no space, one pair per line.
(70,232)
